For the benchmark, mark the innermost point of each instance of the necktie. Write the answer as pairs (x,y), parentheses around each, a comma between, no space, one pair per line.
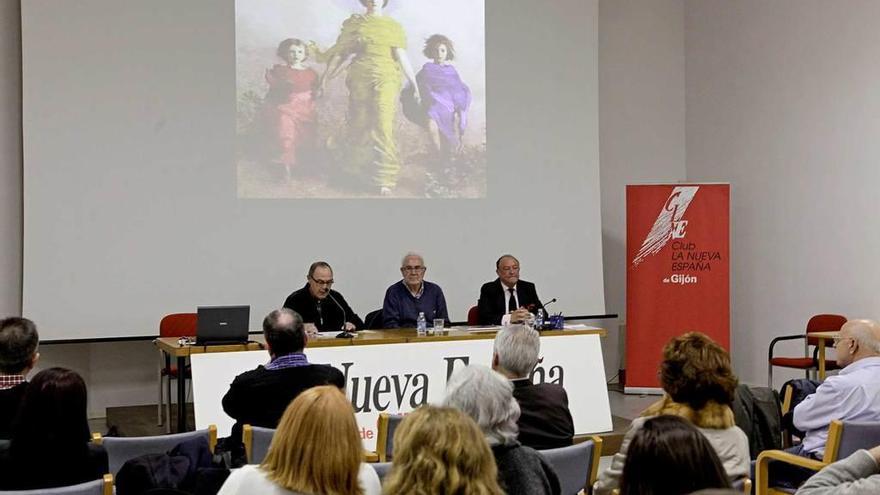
(511,303)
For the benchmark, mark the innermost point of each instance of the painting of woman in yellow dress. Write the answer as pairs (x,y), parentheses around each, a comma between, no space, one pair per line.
(375,44)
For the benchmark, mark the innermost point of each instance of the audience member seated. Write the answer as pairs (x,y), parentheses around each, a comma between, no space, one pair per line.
(858,474)
(487,397)
(851,395)
(259,397)
(545,421)
(18,355)
(316,449)
(669,456)
(441,450)
(51,446)
(700,386)
(413,295)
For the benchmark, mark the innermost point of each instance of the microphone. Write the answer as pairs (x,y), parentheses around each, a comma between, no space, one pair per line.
(551,301)
(320,313)
(344,334)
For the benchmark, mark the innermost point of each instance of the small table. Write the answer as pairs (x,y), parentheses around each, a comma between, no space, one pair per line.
(823,337)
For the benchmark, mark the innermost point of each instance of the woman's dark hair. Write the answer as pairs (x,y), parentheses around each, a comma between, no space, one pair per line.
(284,47)
(670,456)
(52,415)
(696,370)
(435,41)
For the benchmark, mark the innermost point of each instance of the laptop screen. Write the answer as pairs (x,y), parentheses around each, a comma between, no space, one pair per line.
(222,324)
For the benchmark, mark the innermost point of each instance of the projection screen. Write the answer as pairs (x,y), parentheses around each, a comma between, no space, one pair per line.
(134,204)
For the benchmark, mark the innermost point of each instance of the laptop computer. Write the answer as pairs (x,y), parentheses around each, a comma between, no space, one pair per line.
(222,325)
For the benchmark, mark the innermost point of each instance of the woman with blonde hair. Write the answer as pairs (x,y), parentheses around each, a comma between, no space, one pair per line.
(440,450)
(700,385)
(316,450)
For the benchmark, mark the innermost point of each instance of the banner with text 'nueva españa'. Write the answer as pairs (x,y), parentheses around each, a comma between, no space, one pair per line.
(678,272)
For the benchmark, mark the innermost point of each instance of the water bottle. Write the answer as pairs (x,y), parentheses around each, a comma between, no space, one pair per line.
(539,319)
(421,325)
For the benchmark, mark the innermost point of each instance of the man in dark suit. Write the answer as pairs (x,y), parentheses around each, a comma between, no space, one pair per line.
(507,299)
(18,355)
(259,397)
(545,421)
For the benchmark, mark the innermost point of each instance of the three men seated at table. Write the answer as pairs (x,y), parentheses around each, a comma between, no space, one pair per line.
(18,355)
(259,397)
(413,295)
(321,306)
(505,300)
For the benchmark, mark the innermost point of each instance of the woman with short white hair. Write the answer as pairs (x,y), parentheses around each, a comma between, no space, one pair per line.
(487,397)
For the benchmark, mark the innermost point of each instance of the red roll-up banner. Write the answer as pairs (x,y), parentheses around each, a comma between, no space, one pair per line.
(678,272)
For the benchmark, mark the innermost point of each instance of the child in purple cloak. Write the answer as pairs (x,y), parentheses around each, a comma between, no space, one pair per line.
(445,98)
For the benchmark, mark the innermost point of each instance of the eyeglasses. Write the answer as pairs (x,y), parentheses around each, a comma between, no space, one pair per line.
(838,340)
(323,282)
(412,268)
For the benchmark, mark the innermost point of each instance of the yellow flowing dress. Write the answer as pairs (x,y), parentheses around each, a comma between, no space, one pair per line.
(374,81)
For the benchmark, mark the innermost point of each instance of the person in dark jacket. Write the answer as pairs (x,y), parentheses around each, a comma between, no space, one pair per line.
(545,421)
(51,446)
(321,306)
(507,299)
(18,355)
(259,397)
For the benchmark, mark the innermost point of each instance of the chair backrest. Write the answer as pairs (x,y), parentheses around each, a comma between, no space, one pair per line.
(852,437)
(575,465)
(382,469)
(385,428)
(373,321)
(824,323)
(178,325)
(121,449)
(97,487)
(473,316)
(256,442)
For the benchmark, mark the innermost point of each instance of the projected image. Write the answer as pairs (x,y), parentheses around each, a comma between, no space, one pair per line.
(361,98)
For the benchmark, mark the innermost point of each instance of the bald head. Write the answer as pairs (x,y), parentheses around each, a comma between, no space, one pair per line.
(858,339)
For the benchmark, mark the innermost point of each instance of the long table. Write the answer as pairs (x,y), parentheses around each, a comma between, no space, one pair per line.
(215,366)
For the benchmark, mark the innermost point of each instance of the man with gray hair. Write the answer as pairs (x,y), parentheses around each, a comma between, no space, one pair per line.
(487,397)
(545,421)
(412,295)
(18,356)
(851,395)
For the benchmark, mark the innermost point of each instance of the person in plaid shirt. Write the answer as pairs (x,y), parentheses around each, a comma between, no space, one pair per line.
(18,355)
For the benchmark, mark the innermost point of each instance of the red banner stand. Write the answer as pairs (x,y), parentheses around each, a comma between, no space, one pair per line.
(678,272)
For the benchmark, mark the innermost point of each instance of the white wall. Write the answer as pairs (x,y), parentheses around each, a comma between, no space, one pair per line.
(783,101)
(641,124)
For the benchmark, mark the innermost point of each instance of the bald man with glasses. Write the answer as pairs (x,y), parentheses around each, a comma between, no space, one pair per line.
(323,309)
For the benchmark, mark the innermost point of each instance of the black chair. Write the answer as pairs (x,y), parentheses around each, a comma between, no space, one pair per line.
(373,321)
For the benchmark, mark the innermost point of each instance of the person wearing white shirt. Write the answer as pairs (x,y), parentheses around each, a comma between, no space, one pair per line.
(851,395)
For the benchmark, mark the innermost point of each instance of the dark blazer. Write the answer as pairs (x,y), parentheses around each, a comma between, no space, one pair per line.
(259,397)
(331,317)
(545,420)
(10,398)
(491,304)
